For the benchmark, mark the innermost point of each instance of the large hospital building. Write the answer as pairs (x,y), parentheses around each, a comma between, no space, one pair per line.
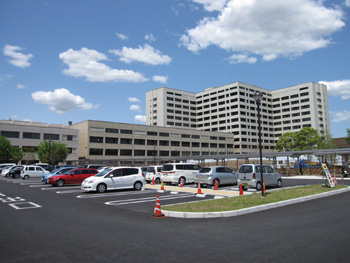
(232,109)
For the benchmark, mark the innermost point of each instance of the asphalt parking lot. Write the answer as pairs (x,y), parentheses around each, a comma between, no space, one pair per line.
(41,223)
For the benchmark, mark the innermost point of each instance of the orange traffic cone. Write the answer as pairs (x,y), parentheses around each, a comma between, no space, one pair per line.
(199,189)
(161,185)
(216,185)
(264,186)
(181,182)
(153,182)
(157,211)
(240,189)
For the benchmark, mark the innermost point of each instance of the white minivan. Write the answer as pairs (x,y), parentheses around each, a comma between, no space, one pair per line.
(173,173)
(115,178)
(249,175)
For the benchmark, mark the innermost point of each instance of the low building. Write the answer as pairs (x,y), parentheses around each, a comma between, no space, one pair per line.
(28,135)
(114,143)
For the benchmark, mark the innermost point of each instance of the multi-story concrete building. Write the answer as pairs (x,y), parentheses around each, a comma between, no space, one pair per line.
(128,144)
(232,109)
(28,135)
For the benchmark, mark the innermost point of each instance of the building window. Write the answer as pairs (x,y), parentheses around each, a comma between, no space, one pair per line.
(111,140)
(125,141)
(164,134)
(139,152)
(31,135)
(10,134)
(152,142)
(124,152)
(69,137)
(110,130)
(111,152)
(123,131)
(152,133)
(50,136)
(139,141)
(163,143)
(95,151)
(175,143)
(96,139)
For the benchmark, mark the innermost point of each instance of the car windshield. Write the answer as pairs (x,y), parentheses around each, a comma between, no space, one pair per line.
(205,170)
(104,172)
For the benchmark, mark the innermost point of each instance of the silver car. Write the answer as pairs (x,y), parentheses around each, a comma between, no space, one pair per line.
(222,174)
(249,175)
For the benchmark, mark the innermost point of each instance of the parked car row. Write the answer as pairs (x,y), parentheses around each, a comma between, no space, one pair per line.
(110,178)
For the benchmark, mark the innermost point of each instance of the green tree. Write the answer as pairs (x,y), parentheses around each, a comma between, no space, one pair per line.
(347,138)
(5,150)
(286,142)
(307,139)
(52,152)
(9,153)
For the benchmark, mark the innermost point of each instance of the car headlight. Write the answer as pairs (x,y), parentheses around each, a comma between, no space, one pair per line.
(91,181)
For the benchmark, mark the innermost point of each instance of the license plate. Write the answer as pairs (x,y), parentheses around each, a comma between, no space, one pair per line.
(245,184)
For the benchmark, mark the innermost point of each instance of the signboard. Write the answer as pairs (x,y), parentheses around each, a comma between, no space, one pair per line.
(328,175)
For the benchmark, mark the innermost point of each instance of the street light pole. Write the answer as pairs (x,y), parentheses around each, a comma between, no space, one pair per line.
(258,97)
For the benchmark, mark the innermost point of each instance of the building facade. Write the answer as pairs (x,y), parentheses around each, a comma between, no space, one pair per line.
(232,109)
(28,135)
(114,143)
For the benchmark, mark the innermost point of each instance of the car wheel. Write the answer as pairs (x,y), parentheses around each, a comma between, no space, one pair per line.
(258,186)
(157,180)
(101,188)
(279,183)
(60,183)
(26,177)
(183,180)
(138,186)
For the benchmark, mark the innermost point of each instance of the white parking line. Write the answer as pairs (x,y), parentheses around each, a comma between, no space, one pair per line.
(147,199)
(114,194)
(51,187)
(69,191)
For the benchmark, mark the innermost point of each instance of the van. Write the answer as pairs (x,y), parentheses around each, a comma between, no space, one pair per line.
(153,172)
(173,173)
(249,175)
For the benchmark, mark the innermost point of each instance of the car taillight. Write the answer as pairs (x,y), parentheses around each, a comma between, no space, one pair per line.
(154,171)
(253,175)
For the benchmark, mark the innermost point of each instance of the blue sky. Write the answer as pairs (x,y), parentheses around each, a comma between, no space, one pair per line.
(70,60)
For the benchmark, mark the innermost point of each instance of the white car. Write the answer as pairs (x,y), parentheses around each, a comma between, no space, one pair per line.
(173,173)
(115,178)
(153,172)
(29,171)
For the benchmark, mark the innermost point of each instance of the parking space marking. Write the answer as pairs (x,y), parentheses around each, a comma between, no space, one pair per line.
(24,205)
(51,187)
(147,199)
(69,191)
(114,194)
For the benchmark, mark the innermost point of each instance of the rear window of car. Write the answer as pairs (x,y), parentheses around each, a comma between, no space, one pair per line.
(246,169)
(205,170)
(187,167)
(150,169)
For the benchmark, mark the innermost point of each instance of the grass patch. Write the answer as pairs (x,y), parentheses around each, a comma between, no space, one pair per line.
(245,201)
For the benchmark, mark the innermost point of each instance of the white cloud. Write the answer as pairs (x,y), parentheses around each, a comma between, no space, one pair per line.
(212,5)
(160,79)
(122,36)
(347,3)
(21,86)
(150,38)
(140,118)
(85,63)
(241,58)
(135,108)
(62,101)
(341,116)
(18,59)
(133,99)
(270,28)
(338,88)
(146,54)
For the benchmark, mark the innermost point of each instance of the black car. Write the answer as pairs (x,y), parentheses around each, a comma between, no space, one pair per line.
(15,172)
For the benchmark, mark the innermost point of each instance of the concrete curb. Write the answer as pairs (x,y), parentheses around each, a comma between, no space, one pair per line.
(250,209)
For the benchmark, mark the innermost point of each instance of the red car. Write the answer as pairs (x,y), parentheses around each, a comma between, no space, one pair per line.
(74,176)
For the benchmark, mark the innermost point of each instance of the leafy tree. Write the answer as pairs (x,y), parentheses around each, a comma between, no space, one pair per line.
(286,142)
(52,152)
(347,138)
(9,153)
(5,150)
